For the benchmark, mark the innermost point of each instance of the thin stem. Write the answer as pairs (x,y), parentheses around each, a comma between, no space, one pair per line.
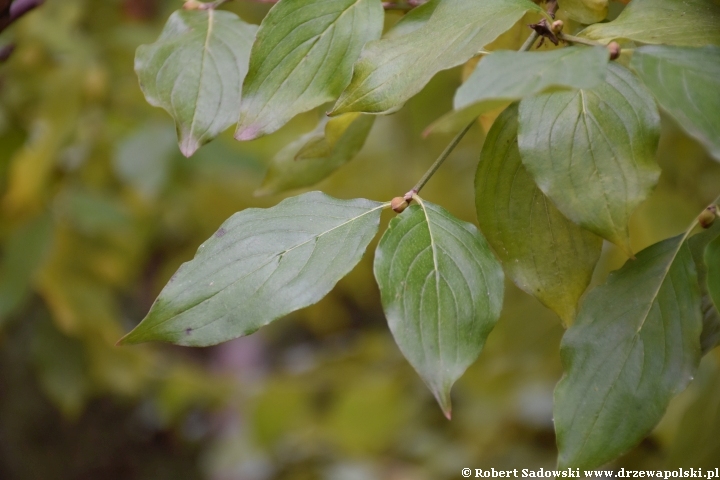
(443,156)
(583,41)
(530,41)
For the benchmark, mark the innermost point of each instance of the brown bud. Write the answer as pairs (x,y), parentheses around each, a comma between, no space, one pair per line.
(614,49)
(707,217)
(557,26)
(398,204)
(192,5)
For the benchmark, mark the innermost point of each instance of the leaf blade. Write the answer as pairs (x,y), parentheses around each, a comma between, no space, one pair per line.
(544,253)
(688,22)
(698,244)
(195,71)
(635,345)
(592,151)
(684,82)
(712,260)
(303,58)
(316,155)
(307,243)
(393,69)
(506,76)
(438,334)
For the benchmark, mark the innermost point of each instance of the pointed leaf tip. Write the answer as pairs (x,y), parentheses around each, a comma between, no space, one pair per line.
(202,97)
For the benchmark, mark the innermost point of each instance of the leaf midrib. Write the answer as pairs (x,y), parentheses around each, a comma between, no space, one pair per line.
(269,260)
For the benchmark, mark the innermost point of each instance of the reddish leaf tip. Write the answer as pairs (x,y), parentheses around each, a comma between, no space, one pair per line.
(247,133)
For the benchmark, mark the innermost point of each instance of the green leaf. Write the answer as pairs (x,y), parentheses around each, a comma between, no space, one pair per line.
(504,77)
(393,69)
(441,289)
(24,253)
(635,344)
(261,265)
(693,23)
(303,58)
(686,82)
(592,151)
(143,160)
(585,11)
(195,71)
(544,253)
(712,261)
(710,337)
(411,21)
(317,154)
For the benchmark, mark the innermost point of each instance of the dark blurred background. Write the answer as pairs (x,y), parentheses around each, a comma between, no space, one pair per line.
(98,209)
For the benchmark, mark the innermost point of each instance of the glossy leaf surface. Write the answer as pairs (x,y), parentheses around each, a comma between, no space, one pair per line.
(442,292)
(592,151)
(505,76)
(317,154)
(195,71)
(393,69)
(685,82)
(261,265)
(544,253)
(302,58)
(635,345)
(693,23)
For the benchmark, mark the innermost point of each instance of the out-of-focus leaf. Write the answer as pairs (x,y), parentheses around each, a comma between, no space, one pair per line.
(505,76)
(710,337)
(302,58)
(686,82)
(316,155)
(544,253)
(696,443)
(31,168)
(393,69)
(442,292)
(25,251)
(91,213)
(195,72)
(635,345)
(585,11)
(143,159)
(592,151)
(61,367)
(694,23)
(260,265)
(712,261)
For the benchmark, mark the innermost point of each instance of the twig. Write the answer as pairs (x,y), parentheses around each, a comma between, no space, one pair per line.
(433,168)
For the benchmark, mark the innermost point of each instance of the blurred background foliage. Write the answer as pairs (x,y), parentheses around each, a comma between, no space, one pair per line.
(98,209)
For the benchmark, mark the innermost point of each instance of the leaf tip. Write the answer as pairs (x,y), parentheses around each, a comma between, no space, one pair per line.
(243,133)
(443,398)
(188,146)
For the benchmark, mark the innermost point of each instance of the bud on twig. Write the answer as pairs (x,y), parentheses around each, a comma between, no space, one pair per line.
(192,5)
(707,217)
(614,49)
(398,204)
